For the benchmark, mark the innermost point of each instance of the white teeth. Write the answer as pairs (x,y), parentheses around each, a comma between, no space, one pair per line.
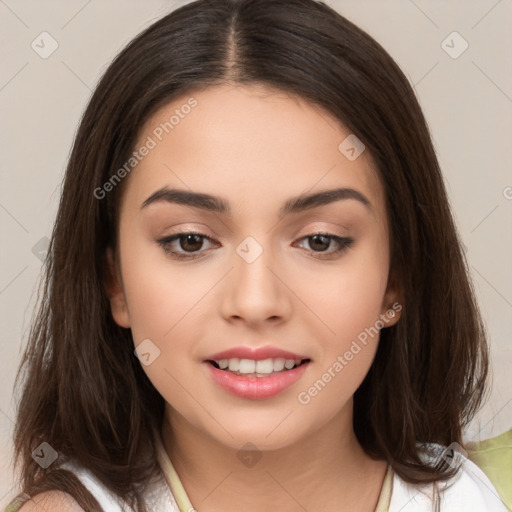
(257,368)
(247,366)
(278,364)
(234,364)
(265,366)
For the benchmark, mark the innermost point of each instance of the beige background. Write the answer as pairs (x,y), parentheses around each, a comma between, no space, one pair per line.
(467,103)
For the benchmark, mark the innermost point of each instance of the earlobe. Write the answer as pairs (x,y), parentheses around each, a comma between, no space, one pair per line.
(115,292)
(392,313)
(392,303)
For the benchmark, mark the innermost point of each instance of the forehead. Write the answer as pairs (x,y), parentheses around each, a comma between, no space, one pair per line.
(252,144)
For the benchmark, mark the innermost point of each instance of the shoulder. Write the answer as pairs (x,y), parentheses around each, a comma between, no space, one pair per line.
(156,493)
(494,457)
(51,500)
(468,489)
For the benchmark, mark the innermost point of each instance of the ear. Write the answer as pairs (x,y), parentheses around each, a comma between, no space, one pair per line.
(392,303)
(115,292)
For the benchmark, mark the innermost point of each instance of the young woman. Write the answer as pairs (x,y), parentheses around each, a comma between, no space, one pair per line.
(255,293)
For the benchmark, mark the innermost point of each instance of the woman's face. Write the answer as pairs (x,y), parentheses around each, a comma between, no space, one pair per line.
(257,277)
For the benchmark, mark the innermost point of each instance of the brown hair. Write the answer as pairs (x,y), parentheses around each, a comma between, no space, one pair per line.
(85,392)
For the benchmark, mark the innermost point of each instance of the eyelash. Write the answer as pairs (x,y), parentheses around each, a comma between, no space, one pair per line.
(343,244)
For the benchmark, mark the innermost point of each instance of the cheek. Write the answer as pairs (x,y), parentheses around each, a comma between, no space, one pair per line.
(160,295)
(347,297)
(346,349)
(166,307)
(167,304)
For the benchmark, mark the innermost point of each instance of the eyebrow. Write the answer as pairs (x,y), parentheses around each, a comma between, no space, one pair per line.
(219,205)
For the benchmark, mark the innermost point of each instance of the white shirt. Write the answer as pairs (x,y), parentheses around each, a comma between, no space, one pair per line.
(468,491)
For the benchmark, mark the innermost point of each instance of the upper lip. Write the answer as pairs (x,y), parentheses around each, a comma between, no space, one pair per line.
(255,353)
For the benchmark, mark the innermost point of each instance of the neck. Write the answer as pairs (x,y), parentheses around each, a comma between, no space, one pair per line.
(326,471)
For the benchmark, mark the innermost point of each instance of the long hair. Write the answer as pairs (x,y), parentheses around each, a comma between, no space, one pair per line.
(84,391)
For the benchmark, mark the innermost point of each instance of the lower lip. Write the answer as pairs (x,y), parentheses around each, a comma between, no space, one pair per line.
(256,388)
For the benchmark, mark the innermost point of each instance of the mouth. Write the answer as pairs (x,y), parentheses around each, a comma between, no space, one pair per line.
(256,380)
(260,369)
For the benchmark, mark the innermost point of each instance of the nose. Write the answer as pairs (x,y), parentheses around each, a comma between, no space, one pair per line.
(256,290)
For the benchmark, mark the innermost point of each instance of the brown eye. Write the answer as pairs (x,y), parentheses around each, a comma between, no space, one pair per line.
(319,243)
(188,245)
(190,242)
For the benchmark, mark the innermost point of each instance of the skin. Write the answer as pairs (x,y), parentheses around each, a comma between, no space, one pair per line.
(256,148)
(51,500)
